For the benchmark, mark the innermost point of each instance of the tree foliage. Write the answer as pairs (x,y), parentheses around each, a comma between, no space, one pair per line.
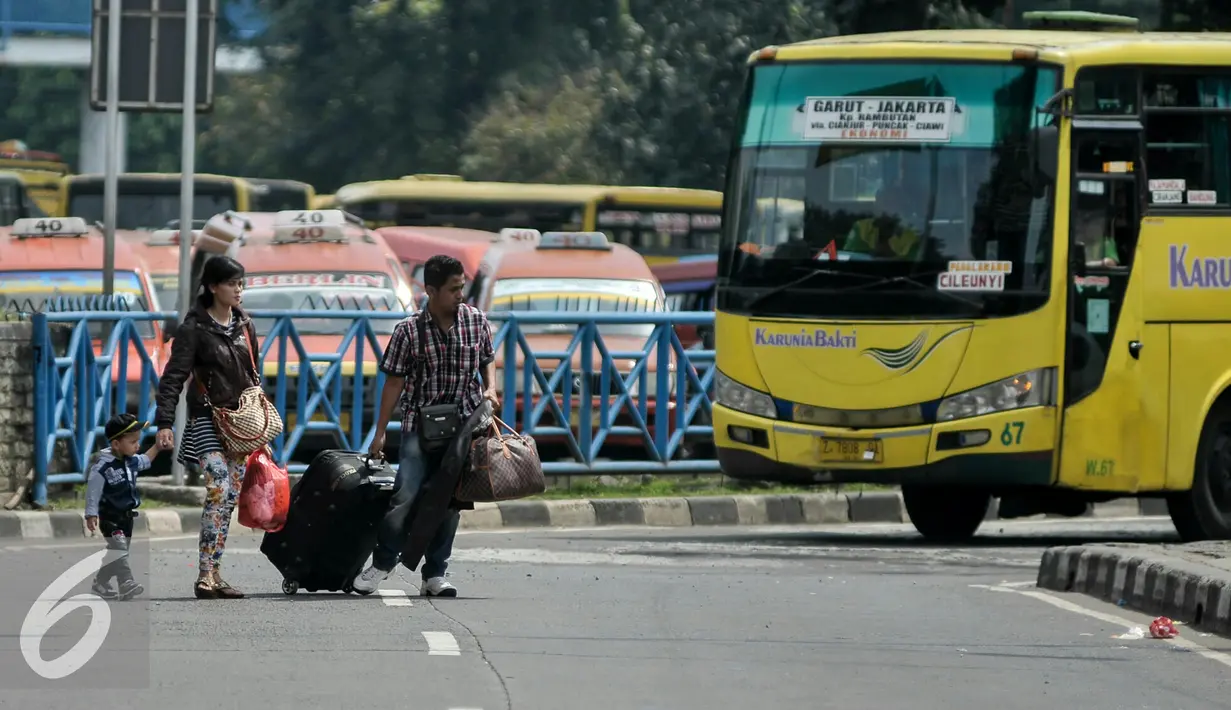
(611,91)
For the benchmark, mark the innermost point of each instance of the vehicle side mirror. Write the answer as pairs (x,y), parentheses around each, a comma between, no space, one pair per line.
(1077,259)
(1046,151)
(706,334)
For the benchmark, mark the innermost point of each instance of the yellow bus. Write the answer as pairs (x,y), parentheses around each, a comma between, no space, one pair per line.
(1011,280)
(41,172)
(270,195)
(661,223)
(152,200)
(324,202)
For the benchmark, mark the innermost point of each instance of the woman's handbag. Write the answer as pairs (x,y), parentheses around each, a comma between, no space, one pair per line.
(437,424)
(502,467)
(251,425)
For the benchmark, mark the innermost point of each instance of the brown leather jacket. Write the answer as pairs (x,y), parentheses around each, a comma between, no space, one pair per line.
(201,350)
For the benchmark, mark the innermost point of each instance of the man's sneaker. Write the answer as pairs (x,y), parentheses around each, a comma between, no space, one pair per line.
(437,587)
(130,589)
(370,579)
(103,589)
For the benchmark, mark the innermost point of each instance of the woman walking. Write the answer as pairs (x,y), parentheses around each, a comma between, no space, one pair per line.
(216,347)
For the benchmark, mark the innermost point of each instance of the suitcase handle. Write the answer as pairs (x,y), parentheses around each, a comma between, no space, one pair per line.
(367,461)
(384,483)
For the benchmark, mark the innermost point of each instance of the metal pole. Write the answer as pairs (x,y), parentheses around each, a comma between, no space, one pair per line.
(111,177)
(188,148)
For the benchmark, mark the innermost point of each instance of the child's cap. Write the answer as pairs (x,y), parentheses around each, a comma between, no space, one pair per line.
(122,424)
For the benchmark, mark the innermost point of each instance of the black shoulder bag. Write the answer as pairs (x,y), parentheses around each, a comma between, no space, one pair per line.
(439,423)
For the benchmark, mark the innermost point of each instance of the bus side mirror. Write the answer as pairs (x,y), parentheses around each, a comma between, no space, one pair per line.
(1046,151)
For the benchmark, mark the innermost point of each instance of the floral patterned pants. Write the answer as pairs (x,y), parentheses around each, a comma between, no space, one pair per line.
(223,479)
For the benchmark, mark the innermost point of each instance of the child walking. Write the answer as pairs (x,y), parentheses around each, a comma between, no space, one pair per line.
(112,500)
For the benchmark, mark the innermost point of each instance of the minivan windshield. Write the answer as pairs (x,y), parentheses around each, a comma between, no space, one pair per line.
(580,295)
(321,291)
(75,290)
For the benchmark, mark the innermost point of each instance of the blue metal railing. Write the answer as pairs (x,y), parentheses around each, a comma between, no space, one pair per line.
(654,397)
(73,17)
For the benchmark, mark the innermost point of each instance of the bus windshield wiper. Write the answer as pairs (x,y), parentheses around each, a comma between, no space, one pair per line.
(911,280)
(811,273)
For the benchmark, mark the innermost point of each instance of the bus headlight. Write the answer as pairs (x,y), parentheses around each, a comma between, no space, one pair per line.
(1029,389)
(730,393)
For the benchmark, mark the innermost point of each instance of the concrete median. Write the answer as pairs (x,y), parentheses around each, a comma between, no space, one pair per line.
(1189,583)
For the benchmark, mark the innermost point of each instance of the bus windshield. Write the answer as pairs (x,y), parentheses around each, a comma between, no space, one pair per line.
(38,291)
(487,215)
(279,195)
(16,202)
(149,204)
(578,295)
(662,231)
(890,190)
(321,291)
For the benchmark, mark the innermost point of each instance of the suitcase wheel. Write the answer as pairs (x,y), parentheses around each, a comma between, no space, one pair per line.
(289,587)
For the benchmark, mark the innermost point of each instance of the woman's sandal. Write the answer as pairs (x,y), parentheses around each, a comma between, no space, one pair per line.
(205,589)
(224,590)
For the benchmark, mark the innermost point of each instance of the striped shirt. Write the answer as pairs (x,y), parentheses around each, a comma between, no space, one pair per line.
(200,436)
(451,368)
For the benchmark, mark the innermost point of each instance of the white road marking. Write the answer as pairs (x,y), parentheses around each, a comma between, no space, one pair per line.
(1007,585)
(90,542)
(441,643)
(394,597)
(521,556)
(1178,641)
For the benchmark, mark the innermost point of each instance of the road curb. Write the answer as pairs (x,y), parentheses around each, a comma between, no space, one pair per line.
(1144,579)
(690,511)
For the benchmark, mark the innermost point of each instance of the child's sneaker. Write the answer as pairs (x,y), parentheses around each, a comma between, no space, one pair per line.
(103,589)
(130,589)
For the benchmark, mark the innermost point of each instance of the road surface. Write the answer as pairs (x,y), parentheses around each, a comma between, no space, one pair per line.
(851,616)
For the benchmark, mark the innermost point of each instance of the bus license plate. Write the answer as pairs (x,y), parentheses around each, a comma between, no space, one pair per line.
(829,450)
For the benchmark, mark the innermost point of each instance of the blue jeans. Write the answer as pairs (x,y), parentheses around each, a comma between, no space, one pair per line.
(391,537)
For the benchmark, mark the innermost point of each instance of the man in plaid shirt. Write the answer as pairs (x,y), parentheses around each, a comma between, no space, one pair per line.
(459,349)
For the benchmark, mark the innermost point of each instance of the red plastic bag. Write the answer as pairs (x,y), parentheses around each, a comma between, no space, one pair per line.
(265,498)
(1163,628)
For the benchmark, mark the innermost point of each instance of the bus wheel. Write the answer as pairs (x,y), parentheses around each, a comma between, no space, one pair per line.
(1204,511)
(944,514)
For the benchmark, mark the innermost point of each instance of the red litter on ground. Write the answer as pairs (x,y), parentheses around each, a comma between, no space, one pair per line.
(1163,628)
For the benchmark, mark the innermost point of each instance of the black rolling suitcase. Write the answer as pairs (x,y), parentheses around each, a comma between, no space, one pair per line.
(331,527)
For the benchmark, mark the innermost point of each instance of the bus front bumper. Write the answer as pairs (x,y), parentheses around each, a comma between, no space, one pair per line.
(1004,449)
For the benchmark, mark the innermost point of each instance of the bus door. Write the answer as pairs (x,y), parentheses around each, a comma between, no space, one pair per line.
(1106,364)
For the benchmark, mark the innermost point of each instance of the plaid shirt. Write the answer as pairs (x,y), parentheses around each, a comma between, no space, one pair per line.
(453,359)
